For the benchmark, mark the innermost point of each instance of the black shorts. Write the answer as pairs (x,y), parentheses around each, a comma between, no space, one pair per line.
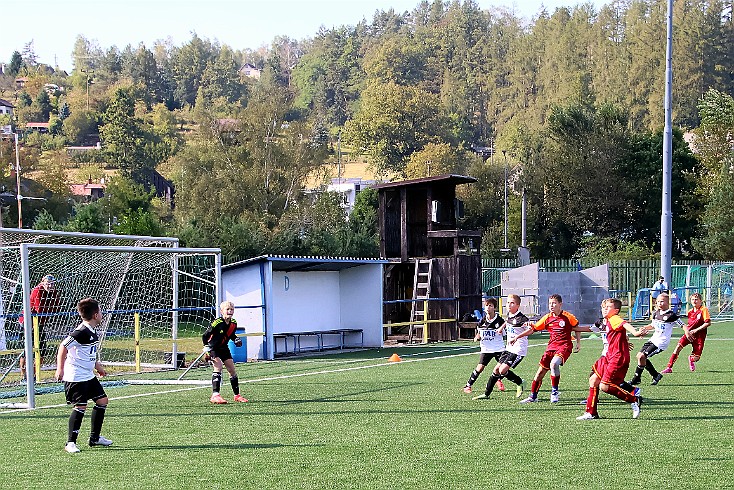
(222,353)
(650,349)
(510,358)
(79,392)
(485,357)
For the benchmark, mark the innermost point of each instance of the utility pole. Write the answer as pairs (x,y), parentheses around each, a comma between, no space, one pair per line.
(339,157)
(88,73)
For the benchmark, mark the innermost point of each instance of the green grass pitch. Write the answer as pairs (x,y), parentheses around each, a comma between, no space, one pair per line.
(352,420)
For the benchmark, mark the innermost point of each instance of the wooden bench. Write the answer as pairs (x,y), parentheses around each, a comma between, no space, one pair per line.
(340,333)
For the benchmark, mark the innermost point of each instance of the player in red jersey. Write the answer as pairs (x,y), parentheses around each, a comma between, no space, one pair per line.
(699,321)
(610,369)
(559,324)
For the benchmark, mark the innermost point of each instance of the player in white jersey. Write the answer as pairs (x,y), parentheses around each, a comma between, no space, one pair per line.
(76,362)
(491,343)
(512,354)
(663,321)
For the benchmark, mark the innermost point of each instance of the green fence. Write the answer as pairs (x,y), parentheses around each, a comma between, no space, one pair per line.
(624,275)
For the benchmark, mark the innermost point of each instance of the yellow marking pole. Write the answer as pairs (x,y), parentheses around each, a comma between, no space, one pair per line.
(137,342)
(651,305)
(37,347)
(425,319)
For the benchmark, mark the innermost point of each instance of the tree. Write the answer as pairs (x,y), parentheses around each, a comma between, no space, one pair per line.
(143,70)
(52,166)
(221,80)
(79,125)
(601,250)
(394,121)
(45,221)
(126,142)
(30,59)
(643,176)
(436,159)
(329,76)
(187,67)
(43,105)
(64,111)
(16,63)
(364,237)
(87,218)
(715,142)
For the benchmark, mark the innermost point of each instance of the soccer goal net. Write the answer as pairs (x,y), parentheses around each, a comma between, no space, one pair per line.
(156,299)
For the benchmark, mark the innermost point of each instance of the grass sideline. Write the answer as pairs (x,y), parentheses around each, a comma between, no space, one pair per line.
(353,420)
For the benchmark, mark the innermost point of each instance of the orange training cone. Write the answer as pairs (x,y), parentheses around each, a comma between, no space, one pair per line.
(394,358)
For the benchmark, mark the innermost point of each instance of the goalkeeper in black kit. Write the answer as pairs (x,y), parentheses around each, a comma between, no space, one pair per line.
(215,340)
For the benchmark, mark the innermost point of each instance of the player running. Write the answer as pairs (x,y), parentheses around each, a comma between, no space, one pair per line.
(699,321)
(559,324)
(663,321)
(490,340)
(610,369)
(515,324)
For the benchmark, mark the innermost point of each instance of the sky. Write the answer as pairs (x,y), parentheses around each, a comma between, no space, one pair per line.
(53,26)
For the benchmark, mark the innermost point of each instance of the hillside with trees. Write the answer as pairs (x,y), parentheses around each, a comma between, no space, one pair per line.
(568,106)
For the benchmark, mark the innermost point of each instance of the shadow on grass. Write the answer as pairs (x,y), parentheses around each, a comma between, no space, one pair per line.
(179,447)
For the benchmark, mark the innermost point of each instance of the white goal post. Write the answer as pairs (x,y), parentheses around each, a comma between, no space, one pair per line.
(150,297)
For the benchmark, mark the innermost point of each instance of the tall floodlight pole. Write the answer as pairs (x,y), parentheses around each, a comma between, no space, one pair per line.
(504,154)
(666,217)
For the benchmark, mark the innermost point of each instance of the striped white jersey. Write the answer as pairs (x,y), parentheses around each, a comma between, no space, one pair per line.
(516,326)
(489,339)
(664,321)
(82,345)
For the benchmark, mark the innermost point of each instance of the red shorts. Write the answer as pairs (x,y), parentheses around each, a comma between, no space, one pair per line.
(613,373)
(599,366)
(697,342)
(563,352)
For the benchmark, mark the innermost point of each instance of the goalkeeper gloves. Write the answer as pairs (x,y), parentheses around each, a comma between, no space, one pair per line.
(238,342)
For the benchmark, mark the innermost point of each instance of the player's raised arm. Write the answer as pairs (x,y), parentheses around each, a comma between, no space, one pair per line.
(525,333)
(637,333)
(577,335)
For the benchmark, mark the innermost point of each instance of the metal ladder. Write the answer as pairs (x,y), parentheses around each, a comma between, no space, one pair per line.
(421,291)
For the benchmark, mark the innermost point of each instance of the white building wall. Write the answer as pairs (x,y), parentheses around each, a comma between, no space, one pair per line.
(304,301)
(361,303)
(242,286)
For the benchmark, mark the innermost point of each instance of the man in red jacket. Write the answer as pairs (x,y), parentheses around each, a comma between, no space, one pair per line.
(45,298)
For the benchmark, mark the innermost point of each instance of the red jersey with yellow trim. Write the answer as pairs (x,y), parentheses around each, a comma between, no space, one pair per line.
(559,327)
(618,351)
(696,318)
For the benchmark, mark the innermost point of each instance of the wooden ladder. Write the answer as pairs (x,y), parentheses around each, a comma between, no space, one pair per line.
(421,291)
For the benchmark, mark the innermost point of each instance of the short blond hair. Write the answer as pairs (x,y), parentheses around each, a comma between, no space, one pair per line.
(225,304)
(513,297)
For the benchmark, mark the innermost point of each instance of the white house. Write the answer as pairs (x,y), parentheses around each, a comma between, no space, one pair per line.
(6,107)
(250,71)
(287,304)
(349,188)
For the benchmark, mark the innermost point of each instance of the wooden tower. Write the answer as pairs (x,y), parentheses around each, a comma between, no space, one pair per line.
(429,256)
